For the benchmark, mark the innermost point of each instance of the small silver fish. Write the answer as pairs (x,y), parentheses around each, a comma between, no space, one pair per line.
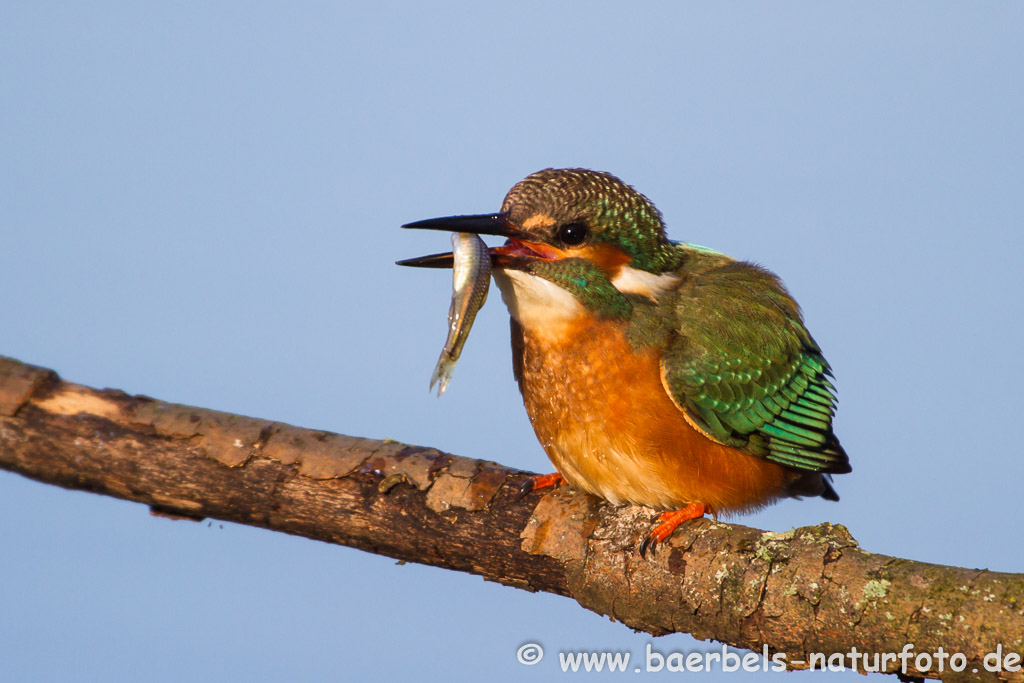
(471,278)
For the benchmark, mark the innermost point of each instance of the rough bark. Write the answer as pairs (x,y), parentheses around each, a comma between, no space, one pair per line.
(809,590)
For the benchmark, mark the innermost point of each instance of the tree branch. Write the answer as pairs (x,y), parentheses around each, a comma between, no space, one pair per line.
(810,590)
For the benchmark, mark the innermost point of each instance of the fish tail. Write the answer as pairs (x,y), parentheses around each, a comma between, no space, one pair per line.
(442,374)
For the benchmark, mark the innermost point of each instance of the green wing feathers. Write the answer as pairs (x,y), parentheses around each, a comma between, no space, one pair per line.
(745,370)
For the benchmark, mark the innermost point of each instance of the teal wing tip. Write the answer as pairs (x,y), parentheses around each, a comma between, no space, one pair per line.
(826,455)
(841,464)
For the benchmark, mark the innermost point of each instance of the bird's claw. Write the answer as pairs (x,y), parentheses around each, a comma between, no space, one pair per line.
(525,488)
(667,523)
(648,544)
(539,481)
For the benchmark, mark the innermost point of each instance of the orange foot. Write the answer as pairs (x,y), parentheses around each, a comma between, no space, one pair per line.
(540,481)
(667,523)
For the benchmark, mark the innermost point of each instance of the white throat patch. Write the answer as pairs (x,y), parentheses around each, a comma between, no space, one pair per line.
(537,304)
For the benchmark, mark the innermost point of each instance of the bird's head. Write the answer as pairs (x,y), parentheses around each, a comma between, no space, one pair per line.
(577,240)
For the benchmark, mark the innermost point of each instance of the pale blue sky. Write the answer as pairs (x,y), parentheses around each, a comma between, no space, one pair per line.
(201,201)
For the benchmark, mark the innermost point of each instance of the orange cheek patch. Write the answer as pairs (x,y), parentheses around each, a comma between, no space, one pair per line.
(607,257)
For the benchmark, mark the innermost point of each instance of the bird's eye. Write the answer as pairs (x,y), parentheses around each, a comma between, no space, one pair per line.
(572,234)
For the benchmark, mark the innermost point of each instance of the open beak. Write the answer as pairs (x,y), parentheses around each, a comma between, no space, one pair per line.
(517,251)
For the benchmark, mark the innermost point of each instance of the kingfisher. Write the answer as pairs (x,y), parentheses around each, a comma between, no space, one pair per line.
(654,372)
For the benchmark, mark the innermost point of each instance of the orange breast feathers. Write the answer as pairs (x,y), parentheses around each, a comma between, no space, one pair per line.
(610,428)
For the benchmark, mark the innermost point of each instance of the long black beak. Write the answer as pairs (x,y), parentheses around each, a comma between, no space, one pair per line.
(482,224)
(445,260)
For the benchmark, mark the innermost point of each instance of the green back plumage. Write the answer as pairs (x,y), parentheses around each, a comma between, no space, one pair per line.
(745,369)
